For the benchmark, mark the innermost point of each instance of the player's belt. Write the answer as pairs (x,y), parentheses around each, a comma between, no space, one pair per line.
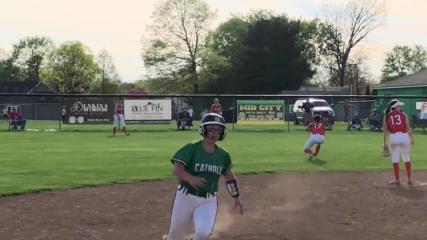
(195,192)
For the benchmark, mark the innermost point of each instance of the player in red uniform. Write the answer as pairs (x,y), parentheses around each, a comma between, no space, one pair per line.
(397,127)
(216,107)
(119,120)
(317,136)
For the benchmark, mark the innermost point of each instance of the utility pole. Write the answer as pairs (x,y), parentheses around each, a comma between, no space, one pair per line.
(103,77)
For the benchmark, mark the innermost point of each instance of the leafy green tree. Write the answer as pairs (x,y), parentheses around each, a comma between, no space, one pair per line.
(164,72)
(27,57)
(223,47)
(212,71)
(342,28)
(4,73)
(273,58)
(404,60)
(70,68)
(6,70)
(227,40)
(259,53)
(173,54)
(107,79)
(137,87)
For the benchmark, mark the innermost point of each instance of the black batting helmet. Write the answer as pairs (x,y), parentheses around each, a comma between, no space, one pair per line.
(212,119)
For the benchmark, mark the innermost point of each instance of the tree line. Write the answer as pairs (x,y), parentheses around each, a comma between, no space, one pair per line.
(264,52)
(68,68)
(261,52)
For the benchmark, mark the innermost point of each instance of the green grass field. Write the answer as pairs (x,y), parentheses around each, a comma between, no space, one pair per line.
(88,155)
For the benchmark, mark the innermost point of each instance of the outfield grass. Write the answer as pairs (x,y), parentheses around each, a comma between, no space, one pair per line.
(88,155)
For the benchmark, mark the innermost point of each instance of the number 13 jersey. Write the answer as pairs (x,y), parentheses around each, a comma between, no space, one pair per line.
(396,122)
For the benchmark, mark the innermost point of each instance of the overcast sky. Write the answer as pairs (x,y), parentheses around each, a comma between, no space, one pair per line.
(117,26)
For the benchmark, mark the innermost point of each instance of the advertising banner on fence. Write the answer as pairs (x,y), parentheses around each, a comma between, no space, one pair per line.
(422,106)
(260,110)
(88,110)
(148,110)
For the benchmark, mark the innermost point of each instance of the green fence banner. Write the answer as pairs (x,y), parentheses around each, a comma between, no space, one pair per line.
(260,110)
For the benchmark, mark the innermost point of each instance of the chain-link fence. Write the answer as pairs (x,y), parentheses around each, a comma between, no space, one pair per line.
(84,112)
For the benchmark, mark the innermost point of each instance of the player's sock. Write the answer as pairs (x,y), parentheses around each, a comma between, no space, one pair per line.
(114,131)
(396,171)
(408,169)
(317,150)
(125,130)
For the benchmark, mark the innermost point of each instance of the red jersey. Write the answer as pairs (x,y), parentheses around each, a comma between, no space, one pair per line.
(216,108)
(317,128)
(15,116)
(396,122)
(119,109)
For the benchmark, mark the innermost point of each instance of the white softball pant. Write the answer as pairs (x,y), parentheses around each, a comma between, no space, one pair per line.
(187,207)
(119,121)
(314,139)
(399,145)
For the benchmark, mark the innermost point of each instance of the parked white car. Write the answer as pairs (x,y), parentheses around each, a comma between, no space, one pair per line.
(318,106)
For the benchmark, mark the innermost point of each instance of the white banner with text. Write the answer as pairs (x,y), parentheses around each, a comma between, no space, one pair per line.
(148,110)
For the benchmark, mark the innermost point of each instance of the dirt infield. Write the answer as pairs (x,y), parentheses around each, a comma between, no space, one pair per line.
(298,206)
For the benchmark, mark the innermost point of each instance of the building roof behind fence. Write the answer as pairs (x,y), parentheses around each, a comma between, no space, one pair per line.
(24,87)
(305,90)
(418,79)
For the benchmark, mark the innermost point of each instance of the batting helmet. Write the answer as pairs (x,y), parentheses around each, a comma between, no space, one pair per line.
(212,119)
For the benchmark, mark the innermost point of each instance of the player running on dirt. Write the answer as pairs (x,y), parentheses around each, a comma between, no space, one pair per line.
(317,136)
(199,166)
(397,127)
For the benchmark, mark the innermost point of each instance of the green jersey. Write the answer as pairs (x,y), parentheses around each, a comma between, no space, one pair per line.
(200,163)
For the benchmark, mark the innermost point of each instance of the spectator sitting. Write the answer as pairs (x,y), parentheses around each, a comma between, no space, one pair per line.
(183,121)
(356,123)
(375,120)
(17,120)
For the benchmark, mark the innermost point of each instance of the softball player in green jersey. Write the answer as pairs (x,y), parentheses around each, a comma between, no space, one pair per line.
(199,166)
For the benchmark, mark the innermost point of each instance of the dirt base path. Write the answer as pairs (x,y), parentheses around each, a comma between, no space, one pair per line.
(327,206)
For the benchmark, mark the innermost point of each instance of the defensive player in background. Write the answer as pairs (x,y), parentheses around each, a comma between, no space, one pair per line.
(216,107)
(119,120)
(317,136)
(198,167)
(400,133)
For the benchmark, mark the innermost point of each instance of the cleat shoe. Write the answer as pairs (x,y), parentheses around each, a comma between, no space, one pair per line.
(394,182)
(410,183)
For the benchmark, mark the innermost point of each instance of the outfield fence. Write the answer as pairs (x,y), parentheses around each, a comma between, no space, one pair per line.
(85,111)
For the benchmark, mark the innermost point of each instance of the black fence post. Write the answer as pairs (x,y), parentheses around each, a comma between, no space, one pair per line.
(61,103)
(289,115)
(233,112)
